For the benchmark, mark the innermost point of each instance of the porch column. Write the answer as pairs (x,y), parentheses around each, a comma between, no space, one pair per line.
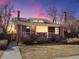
(30,29)
(21,30)
(35,31)
(62,31)
(19,33)
(47,34)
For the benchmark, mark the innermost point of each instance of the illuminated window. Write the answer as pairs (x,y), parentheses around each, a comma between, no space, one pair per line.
(35,20)
(41,21)
(42,29)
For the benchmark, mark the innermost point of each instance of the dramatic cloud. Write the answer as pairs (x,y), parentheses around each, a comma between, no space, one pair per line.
(36,8)
(3,2)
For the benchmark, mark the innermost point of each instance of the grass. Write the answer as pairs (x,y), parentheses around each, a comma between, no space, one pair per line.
(48,51)
(1,53)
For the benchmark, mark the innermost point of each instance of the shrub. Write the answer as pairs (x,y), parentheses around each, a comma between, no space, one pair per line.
(3,44)
(43,40)
(25,39)
(54,38)
(58,39)
(30,39)
(4,40)
(62,39)
(73,41)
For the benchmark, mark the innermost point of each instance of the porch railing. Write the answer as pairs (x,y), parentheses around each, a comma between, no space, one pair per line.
(50,34)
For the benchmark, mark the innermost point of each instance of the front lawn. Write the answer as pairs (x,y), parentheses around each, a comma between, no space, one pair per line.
(48,51)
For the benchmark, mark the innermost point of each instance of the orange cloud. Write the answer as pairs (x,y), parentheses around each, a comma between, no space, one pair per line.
(40,15)
(37,9)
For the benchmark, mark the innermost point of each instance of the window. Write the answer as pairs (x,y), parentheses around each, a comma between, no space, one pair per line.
(51,29)
(41,21)
(35,20)
(56,30)
(42,29)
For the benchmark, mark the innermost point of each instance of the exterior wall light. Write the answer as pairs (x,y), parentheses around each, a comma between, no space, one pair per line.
(27,27)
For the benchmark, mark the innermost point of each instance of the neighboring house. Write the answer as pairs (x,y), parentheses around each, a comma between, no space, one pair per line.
(41,27)
(76,27)
(71,29)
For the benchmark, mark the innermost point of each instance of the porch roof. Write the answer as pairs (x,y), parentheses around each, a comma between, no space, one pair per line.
(38,24)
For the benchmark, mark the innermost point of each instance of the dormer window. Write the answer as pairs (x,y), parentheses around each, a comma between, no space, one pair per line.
(39,21)
(35,21)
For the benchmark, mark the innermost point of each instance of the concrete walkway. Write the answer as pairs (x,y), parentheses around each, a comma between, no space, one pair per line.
(70,57)
(12,52)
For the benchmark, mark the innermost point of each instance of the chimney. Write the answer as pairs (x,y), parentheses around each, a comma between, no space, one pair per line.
(18,14)
(65,18)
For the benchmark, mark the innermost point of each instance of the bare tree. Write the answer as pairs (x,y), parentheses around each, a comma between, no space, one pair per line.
(5,13)
(67,16)
(52,13)
(0,20)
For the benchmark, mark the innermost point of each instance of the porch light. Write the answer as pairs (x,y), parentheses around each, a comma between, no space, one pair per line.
(27,27)
(69,31)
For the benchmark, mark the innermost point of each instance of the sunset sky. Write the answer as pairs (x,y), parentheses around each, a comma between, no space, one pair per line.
(38,8)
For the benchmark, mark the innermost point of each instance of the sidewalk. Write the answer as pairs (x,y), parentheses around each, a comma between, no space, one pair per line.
(12,52)
(70,57)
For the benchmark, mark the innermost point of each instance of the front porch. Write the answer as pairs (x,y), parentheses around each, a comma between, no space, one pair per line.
(41,31)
